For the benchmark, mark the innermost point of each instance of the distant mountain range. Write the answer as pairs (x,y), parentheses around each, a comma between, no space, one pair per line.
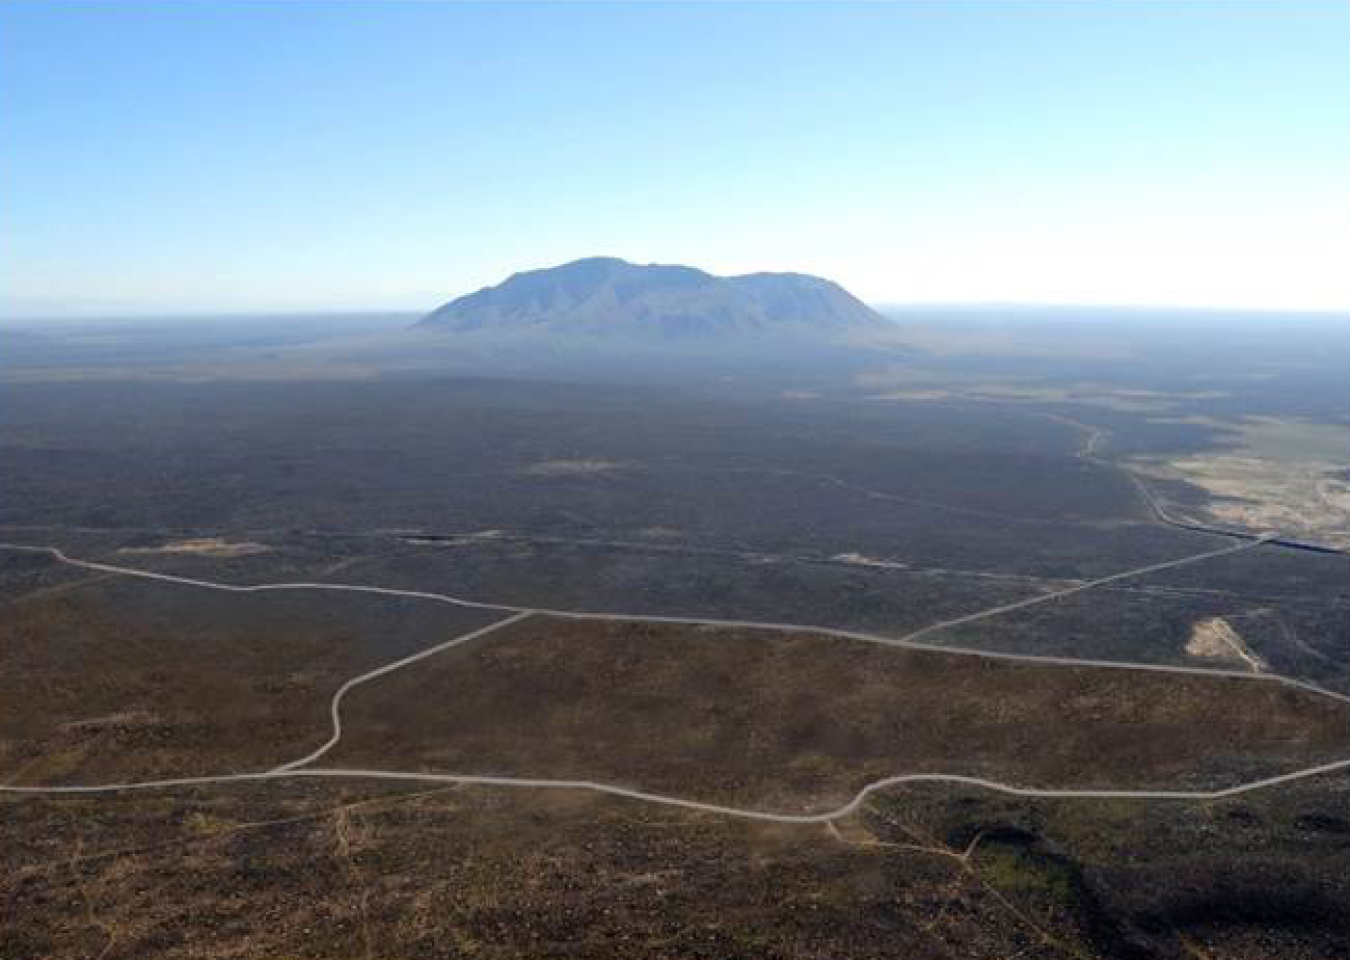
(621,301)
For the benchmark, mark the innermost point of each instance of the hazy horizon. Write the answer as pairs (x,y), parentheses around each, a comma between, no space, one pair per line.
(229,158)
(169,316)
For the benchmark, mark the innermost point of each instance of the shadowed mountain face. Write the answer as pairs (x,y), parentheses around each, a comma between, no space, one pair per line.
(616,299)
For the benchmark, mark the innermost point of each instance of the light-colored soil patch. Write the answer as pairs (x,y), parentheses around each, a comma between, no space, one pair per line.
(122,719)
(1296,439)
(920,385)
(1215,639)
(204,546)
(1284,476)
(864,561)
(571,468)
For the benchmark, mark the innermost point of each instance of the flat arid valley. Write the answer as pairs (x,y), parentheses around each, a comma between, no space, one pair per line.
(723,482)
(544,666)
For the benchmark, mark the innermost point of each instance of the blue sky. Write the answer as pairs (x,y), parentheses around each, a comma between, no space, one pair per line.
(221,157)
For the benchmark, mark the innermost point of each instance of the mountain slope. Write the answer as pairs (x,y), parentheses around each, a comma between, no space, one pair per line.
(620,300)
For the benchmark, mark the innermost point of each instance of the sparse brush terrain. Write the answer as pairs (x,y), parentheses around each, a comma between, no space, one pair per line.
(980,484)
(127,680)
(801,722)
(327,870)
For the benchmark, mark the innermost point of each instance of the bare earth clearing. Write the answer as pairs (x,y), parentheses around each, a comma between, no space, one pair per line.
(205,546)
(1215,639)
(1281,475)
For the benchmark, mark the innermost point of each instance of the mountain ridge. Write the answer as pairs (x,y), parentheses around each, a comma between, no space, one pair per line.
(618,299)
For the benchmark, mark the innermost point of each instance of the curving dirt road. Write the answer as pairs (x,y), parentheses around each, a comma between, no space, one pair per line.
(615,790)
(299,768)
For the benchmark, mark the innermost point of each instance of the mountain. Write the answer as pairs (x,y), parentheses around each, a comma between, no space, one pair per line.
(617,300)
